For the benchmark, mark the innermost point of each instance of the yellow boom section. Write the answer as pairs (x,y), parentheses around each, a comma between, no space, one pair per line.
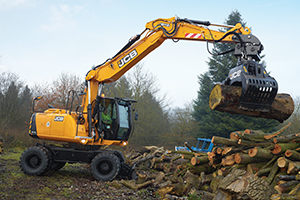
(155,34)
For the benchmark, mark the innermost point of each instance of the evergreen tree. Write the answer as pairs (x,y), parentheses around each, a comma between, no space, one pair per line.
(213,122)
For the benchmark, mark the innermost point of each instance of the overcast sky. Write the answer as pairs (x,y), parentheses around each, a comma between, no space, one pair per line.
(39,39)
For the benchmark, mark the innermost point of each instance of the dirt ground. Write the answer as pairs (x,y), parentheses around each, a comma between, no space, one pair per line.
(74,181)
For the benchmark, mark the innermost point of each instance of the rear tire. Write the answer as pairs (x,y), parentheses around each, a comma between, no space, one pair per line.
(105,167)
(35,160)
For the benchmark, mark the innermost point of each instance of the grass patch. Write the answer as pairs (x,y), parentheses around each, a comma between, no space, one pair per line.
(11,154)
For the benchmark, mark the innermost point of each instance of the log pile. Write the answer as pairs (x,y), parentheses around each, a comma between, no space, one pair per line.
(249,165)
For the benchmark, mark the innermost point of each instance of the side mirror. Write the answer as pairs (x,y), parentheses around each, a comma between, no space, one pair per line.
(37,98)
(33,103)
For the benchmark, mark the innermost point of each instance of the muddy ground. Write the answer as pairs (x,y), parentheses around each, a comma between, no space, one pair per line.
(74,181)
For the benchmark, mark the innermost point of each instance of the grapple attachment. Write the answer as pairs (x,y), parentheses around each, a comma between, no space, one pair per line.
(258,88)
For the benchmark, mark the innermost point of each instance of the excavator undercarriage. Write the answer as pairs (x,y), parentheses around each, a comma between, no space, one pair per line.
(105,164)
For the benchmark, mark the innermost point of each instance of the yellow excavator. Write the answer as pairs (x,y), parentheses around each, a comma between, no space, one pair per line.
(99,121)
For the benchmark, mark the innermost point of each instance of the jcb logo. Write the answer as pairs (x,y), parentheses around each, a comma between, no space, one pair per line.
(235,74)
(165,24)
(59,119)
(127,58)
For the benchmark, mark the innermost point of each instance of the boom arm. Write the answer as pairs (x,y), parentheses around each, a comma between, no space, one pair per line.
(156,33)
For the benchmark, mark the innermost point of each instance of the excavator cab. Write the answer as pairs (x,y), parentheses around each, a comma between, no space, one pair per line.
(114,118)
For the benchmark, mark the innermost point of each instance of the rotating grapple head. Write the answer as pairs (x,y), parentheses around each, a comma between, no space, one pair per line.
(258,88)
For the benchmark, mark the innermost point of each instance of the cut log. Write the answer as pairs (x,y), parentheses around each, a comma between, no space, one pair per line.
(282,147)
(226,150)
(292,154)
(223,171)
(224,141)
(248,143)
(191,180)
(263,171)
(242,158)
(287,177)
(295,190)
(257,132)
(270,162)
(228,160)
(271,135)
(199,160)
(258,152)
(283,162)
(132,185)
(235,135)
(219,150)
(187,157)
(293,167)
(287,138)
(272,173)
(225,98)
(142,178)
(255,167)
(200,168)
(283,197)
(286,187)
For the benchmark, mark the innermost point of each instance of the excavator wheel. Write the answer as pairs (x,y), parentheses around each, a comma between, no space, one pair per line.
(105,166)
(35,160)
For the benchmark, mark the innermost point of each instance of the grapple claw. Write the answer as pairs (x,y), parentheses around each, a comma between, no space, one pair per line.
(258,88)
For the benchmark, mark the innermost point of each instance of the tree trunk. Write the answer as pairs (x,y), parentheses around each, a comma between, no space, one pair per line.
(240,183)
(225,98)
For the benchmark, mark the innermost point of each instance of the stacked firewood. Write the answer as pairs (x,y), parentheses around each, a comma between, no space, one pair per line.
(169,172)
(251,164)
(272,157)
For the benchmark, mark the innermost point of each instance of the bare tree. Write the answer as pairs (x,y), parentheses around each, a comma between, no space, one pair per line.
(183,126)
(56,93)
(152,124)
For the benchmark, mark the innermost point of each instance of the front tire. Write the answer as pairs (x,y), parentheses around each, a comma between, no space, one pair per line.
(105,167)
(35,160)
